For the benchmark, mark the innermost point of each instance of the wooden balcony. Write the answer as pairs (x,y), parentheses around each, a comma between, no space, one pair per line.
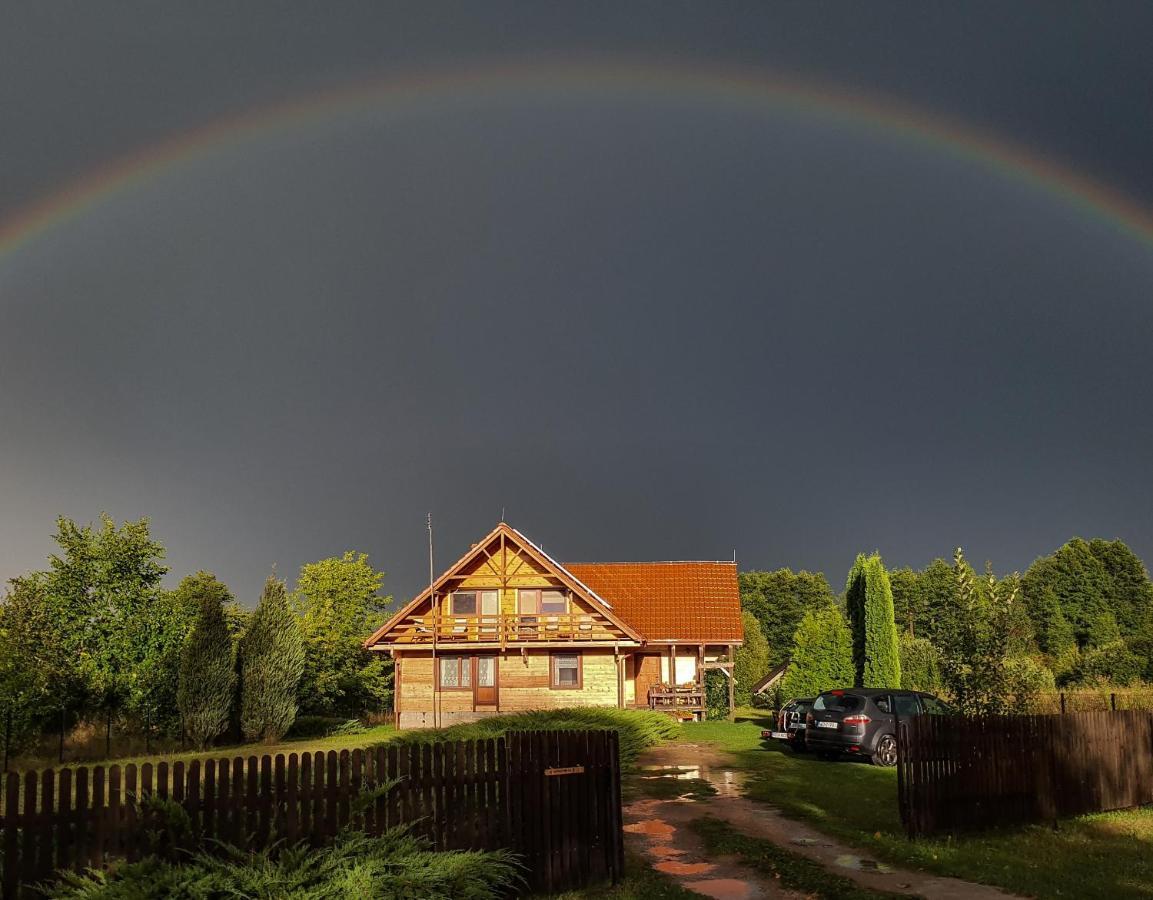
(507,630)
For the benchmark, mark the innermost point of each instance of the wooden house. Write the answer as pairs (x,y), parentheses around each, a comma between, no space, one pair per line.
(507,628)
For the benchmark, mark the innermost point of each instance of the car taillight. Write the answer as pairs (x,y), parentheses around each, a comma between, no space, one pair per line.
(856,720)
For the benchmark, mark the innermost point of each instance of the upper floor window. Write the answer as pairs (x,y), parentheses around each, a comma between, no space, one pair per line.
(475,603)
(546,601)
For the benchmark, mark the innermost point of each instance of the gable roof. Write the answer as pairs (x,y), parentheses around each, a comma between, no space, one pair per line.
(479,549)
(689,602)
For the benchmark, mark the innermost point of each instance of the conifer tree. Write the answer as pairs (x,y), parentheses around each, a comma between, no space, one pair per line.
(869,599)
(822,656)
(271,663)
(207,681)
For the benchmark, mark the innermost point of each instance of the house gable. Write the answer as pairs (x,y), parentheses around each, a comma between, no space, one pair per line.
(507,563)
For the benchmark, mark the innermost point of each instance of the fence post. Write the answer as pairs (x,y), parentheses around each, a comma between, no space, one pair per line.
(1113,702)
(1062,703)
(63,725)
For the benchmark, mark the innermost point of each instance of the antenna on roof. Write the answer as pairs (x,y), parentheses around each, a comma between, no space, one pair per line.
(502,515)
(734,554)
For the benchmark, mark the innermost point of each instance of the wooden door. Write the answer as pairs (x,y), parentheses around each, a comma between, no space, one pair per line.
(647,669)
(485,691)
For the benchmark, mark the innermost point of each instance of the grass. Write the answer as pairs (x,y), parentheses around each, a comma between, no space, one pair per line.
(1108,855)
(638,729)
(640,883)
(790,870)
(366,738)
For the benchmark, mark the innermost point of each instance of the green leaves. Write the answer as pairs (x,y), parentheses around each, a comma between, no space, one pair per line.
(751,660)
(338,604)
(869,602)
(207,672)
(822,654)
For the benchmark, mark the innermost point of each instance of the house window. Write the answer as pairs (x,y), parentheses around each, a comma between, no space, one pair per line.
(472,603)
(534,601)
(455,673)
(566,671)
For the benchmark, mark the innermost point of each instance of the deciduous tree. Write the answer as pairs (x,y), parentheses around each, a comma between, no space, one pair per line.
(751,660)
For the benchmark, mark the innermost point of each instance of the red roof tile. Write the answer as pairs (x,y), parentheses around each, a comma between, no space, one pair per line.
(694,602)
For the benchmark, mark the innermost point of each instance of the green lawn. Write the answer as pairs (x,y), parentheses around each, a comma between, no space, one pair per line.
(1106,856)
(298,745)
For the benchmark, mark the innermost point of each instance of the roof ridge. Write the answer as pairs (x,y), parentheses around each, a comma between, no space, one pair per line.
(657,562)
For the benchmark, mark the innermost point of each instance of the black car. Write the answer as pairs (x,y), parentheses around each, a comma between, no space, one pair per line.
(791,724)
(863,721)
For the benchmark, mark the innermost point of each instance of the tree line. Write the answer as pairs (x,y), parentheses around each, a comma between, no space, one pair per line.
(1080,616)
(98,635)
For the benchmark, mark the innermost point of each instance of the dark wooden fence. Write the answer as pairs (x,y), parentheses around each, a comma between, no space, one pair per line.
(551,796)
(962,774)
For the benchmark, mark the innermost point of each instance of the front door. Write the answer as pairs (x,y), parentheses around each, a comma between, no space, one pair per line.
(647,667)
(484,684)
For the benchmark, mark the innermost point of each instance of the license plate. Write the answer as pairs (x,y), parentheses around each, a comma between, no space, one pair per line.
(780,735)
(826,724)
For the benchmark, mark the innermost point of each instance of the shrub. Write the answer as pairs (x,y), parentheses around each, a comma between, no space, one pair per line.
(822,655)
(920,665)
(394,865)
(324,726)
(638,729)
(750,661)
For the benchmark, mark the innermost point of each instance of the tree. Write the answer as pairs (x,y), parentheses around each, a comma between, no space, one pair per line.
(338,604)
(979,668)
(869,601)
(779,600)
(924,602)
(751,660)
(272,662)
(103,591)
(920,664)
(822,656)
(207,672)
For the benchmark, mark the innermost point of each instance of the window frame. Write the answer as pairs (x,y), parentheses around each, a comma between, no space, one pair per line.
(464,663)
(552,670)
(475,600)
(539,593)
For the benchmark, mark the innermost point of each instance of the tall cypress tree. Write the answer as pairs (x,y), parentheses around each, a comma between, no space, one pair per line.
(207,674)
(869,599)
(271,663)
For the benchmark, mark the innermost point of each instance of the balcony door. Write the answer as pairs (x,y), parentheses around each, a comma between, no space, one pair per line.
(485,691)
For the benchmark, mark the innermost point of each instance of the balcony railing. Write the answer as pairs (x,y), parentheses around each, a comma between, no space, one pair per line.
(504,630)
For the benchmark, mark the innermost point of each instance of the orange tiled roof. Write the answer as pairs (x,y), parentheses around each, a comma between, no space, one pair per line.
(694,602)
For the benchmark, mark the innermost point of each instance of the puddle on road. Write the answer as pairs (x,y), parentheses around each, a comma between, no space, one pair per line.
(723,782)
(861,864)
(651,827)
(722,888)
(673,867)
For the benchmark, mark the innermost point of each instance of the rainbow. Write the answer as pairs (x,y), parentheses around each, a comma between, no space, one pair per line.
(751,87)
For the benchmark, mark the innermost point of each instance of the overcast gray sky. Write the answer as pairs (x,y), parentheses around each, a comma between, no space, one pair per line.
(647,326)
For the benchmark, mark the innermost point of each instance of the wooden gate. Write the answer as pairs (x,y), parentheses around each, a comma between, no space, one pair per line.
(552,797)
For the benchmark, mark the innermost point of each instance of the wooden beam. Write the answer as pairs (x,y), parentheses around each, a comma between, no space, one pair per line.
(732,680)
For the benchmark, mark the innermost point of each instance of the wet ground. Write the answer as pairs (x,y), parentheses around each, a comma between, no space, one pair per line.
(685,782)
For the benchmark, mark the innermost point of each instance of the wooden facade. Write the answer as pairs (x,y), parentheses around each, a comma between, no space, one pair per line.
(509,629)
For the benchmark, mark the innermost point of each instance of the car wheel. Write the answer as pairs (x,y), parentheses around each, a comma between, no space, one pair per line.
(886,752)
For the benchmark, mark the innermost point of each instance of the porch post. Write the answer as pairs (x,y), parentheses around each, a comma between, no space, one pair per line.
(732,679)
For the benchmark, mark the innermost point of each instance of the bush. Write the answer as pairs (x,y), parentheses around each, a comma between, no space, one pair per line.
(822,655)
(638,729)
(324,726)
(716,694)
(920,665)
(394,865)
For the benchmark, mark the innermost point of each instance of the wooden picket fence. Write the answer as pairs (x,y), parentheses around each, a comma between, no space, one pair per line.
(965,774)
(551,796)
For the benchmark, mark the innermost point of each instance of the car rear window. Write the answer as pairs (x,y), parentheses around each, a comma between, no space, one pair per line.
(838,702)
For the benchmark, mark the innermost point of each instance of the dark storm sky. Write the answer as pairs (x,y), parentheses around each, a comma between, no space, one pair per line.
(648,329)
